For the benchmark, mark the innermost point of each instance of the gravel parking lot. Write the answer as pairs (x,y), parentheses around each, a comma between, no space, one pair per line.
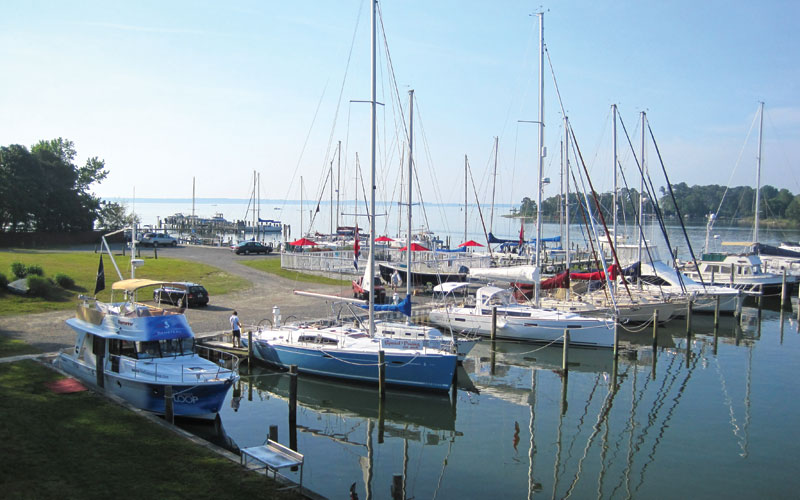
(47,331)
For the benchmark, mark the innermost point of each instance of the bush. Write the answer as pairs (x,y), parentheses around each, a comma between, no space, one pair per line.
(64,281)
(39,287)
(19,270)
(35,270)
(3,281)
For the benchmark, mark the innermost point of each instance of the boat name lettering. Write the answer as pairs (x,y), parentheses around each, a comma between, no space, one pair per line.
(125,322)
(188,399)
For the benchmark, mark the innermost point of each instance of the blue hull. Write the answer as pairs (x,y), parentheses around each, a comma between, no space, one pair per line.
(426,372)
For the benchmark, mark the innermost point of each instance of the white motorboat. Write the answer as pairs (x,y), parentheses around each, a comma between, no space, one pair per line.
(136,351)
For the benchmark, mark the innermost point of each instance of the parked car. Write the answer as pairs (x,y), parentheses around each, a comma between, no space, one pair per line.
(248,247)
(183,294)
(360,293)
(157,240)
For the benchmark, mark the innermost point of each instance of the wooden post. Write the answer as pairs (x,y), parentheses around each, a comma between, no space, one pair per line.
(273,433)
(494,323)
(614,366)
(292,394)
(655,330)
(689,306)
(381,375)
(783,291)
(565,354)
(397,487)
(716,313)
(155,252)
(381,424)
(564,383)
(616,338)
(169,409)
(249,349)
(739,300)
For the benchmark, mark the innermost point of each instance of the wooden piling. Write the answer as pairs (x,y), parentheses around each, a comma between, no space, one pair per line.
(249,349)
(381,375)
(739,300)
(655,330)
(494,323)
(273,433)
(155,252)
(564,382)
(397,487)
(565,354)
(689,307)
(169,409)
(716,313)
(783,291)
(292,395)
(616,338)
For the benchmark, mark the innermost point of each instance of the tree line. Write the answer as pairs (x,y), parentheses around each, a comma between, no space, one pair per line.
(42,189)
(694,203)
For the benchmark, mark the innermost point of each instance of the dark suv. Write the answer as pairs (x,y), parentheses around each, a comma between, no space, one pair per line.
(249,247)
(181,294)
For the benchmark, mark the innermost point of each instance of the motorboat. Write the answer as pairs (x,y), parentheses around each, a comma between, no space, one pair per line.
(137,351)
(517,321)
(741,272)
(658,276)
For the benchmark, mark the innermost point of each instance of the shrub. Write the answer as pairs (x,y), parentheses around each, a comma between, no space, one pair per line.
(3,281)
(19,270)
(64,281)
(35,270)
(38,286)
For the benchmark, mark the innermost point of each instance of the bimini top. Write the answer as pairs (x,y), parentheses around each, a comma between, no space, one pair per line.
(134,284)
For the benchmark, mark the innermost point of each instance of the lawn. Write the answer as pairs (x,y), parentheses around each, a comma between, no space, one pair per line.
(81,445)
(272,265)
(82,267)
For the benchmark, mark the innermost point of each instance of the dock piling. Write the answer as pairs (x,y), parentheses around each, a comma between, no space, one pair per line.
(783,291)
(273,433)
(565,355)
(249,349)
(689,307)
(716,313)
(616,338)
(397,487)
(381,375)
(494,323)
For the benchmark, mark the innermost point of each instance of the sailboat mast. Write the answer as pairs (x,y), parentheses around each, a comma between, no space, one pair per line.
(465,196)
(494,183)
(255,187)
(541,153)
(301,206)
(410,177)
(566,194)
(338,181)
(758,174)
(373,106)
(614,167)
(641,196)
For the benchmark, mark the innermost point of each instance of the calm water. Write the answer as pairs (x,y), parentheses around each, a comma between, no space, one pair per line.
(716,419)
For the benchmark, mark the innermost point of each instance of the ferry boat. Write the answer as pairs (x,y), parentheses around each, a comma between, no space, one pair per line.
(135,351)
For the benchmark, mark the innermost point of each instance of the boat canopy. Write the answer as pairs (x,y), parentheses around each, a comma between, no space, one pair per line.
(132,285)
(449,286)
(519,274)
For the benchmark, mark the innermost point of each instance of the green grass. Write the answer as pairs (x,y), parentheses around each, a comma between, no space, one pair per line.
(82,446)
(272,265)
(82,267)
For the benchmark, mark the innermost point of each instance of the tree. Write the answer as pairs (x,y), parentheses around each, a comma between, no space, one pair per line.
(113,216)
(43,190)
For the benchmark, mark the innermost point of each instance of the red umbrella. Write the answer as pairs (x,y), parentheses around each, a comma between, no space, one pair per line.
(415,247)
(303,242)
(470,243)
(383,239)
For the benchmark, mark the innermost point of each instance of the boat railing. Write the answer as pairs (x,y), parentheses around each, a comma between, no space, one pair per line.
(341,261)
(226,366)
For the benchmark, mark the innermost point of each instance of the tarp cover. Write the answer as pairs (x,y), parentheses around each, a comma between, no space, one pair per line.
(613,271)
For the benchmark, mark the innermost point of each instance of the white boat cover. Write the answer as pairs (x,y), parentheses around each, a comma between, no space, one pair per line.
(519,274)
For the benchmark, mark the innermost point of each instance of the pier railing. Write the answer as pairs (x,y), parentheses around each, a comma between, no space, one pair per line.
(341,261)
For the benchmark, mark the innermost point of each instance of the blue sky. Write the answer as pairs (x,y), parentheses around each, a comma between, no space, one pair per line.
(167,91)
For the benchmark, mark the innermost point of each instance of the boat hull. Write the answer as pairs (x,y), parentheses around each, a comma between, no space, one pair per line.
(409,370)
(189,400)
(419,278)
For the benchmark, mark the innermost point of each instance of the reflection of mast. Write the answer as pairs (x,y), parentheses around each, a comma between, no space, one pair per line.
(366,462)
(532,485)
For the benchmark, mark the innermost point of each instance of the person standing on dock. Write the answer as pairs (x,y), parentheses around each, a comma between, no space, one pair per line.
(236,329)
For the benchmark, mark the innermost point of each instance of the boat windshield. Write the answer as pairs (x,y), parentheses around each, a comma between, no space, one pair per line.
(165,348)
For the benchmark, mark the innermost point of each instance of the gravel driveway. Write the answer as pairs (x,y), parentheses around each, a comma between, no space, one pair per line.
(48,332)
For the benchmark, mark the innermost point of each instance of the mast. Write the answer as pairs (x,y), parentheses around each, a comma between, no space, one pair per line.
(494,183)
(331,176)
(258,238)
(373,106)
(641,198)
(541,153)
(466,174)
(566,203)
(614,167)
(301,206)
(758,173)
(338,181)
(410,177)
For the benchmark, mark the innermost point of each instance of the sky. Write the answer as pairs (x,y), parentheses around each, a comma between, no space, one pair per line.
(168,92)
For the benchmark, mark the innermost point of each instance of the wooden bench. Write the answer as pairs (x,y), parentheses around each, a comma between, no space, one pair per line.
(272,457)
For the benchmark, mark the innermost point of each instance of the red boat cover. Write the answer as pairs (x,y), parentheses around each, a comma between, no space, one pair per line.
(557,281)
(597,275)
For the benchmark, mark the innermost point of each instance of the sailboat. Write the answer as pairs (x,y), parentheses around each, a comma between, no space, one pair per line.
(520,321)
(354,353)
